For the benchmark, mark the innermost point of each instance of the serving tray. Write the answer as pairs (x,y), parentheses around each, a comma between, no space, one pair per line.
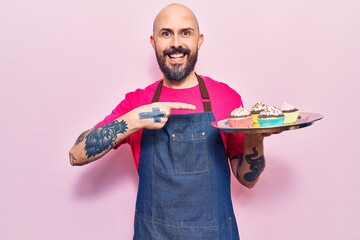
(305,119)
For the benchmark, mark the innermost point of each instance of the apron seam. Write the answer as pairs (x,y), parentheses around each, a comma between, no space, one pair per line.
(182,226)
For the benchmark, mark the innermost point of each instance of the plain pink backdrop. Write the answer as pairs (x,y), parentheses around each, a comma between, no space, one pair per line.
(65,64)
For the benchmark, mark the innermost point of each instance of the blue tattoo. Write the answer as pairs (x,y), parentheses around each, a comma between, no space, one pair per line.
(155,114)
(239,163)
(257,165)
(103,138)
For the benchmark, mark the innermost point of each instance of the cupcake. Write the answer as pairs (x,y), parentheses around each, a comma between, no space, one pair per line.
(255,111)
(271,117)
(290,112)
(240,118)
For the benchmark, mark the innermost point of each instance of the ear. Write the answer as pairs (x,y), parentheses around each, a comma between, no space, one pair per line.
(200,40)
(152,41)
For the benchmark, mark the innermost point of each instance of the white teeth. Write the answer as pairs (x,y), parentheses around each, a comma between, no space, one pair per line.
(176,56)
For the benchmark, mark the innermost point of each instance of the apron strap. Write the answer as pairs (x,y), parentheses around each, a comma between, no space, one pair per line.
(157,92)
(204,93)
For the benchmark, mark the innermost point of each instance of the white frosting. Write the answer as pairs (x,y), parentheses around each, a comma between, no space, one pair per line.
(287,107)
(240,112)
(271,111)
(258,106)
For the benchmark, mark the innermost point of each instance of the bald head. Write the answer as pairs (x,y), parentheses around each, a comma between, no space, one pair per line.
(175,13)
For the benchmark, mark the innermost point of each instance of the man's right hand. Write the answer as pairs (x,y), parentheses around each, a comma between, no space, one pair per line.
(155,115)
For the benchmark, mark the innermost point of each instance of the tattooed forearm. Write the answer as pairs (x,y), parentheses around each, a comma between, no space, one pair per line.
(103,138)
(237,170)
(257,165)
(81,137)
(156,114)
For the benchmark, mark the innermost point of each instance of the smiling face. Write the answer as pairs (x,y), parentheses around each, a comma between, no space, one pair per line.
(176,40)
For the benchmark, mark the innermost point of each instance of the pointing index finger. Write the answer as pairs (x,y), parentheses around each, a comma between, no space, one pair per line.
(180,105)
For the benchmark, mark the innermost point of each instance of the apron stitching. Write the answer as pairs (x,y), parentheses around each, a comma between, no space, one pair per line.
(181,225)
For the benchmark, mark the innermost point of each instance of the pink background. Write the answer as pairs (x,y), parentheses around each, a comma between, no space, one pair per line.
(65,64)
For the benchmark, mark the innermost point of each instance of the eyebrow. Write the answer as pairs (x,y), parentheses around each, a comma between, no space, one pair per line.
(170,30)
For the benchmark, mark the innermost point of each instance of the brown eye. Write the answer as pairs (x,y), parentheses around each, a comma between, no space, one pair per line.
(165,34)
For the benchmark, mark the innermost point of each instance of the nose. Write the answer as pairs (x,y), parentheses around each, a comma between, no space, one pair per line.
(176,41)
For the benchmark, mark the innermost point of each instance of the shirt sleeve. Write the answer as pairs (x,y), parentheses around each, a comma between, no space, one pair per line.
(234,142)
(122,108)
(131,101)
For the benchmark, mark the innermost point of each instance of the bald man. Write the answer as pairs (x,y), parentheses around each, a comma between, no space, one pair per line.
(183,162)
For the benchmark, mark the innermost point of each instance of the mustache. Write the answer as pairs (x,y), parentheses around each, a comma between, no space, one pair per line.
(176,50)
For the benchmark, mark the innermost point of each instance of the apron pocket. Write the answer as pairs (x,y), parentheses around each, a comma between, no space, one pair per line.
(189,151)
(150,229)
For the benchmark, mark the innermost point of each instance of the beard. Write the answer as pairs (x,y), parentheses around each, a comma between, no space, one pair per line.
(177,73)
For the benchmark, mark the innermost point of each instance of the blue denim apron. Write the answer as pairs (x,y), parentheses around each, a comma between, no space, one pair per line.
(184,181)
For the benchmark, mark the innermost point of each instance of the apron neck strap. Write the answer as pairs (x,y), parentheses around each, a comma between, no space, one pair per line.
(157,92)
(204,93)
